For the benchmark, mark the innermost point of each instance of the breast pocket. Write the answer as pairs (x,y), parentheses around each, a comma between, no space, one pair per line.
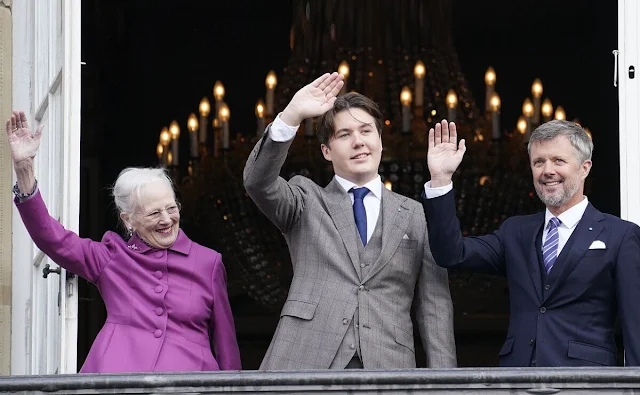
(404,259)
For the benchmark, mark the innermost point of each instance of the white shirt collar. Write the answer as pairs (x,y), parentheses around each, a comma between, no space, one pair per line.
(571,217)
(375,185)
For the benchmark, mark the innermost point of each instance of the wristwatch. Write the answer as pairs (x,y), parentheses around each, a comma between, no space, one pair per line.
(20,195)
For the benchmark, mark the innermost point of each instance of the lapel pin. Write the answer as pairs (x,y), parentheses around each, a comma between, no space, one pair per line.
(132,247)
(590,228)
(399,209)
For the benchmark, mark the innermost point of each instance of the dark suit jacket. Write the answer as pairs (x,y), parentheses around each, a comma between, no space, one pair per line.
(568,317)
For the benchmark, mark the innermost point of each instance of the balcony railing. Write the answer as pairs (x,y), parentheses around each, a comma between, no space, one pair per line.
(418,381)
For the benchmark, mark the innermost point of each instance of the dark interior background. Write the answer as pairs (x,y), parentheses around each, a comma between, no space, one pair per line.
(149,62)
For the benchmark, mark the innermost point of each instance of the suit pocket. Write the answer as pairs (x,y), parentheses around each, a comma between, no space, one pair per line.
(591,353)
(299,309)
(406,243)
(404,338)
(507,347)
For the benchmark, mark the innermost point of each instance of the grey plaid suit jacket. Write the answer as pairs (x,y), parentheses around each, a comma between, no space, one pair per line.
(319,228)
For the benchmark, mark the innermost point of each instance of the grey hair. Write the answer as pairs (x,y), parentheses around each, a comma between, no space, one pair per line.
(577,136)
(126,190)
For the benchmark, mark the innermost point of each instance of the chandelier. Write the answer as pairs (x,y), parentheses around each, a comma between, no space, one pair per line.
(400,54)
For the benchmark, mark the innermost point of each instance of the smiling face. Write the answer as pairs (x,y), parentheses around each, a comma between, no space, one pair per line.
(355,148)
(558,173)
(156,219)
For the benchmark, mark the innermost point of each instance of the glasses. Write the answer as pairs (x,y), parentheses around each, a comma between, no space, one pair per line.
(157,214)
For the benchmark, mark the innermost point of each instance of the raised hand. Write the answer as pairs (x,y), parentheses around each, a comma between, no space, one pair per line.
(23,144)
(313,99)
(444,155)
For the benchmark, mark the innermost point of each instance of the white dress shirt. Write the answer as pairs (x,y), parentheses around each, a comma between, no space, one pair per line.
(568,222)
(282,132)
(569,219)
(371,201)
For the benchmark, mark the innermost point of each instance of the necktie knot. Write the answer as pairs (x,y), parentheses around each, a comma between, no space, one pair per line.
(554,222)
(360,193)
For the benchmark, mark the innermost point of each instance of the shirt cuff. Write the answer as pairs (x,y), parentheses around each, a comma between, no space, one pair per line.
(431,193)
(282,132)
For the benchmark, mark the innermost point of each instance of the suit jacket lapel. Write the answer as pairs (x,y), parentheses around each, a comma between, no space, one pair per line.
(586,232)
(530,233)
(340,210)
(395,220)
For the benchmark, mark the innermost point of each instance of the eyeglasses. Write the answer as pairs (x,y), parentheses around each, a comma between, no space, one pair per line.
(157,214)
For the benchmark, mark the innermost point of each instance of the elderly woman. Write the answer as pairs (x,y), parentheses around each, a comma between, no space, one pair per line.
(166,296)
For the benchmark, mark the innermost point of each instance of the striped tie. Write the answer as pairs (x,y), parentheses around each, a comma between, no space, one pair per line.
(550,247)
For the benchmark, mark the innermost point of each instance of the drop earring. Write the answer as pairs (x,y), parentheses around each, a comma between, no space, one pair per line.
(129,231)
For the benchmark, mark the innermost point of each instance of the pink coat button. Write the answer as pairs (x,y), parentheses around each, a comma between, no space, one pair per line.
(159,310)
(159,254)
(158,274)
(158,289)
(157,333)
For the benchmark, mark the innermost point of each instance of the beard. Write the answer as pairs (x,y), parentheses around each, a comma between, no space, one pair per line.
(559,197)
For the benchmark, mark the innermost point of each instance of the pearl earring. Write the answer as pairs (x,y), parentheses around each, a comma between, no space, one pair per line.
(130,231)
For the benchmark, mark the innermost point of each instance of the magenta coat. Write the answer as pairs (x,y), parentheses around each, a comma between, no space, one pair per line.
(161,304)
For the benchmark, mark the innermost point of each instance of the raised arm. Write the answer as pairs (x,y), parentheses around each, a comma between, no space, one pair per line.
(450,249)
(83,257)
(279,200)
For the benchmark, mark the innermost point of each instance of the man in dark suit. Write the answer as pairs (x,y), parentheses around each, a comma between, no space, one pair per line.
(572,270)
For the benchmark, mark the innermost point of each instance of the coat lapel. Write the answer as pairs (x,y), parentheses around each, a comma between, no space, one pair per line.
(340,210)
(586,232)
(395,220)
(530,234)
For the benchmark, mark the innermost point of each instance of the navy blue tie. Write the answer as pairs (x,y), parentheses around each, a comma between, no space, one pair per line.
(359,212)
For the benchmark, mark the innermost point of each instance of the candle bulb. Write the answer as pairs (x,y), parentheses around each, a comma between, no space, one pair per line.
(490,82)
(405,99)
(547,110)
(419,72)
(536,91)
(259,118)
(192,125)
(174,129)
(223,115)
(452,103)
(343,69)
(527,111)
(495,116)
(159,152)
(218,94)
(205,108)
(271,83)
(522,125)
(165,140)
(560,114)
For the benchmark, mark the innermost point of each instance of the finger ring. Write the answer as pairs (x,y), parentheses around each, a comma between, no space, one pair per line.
(14,129)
